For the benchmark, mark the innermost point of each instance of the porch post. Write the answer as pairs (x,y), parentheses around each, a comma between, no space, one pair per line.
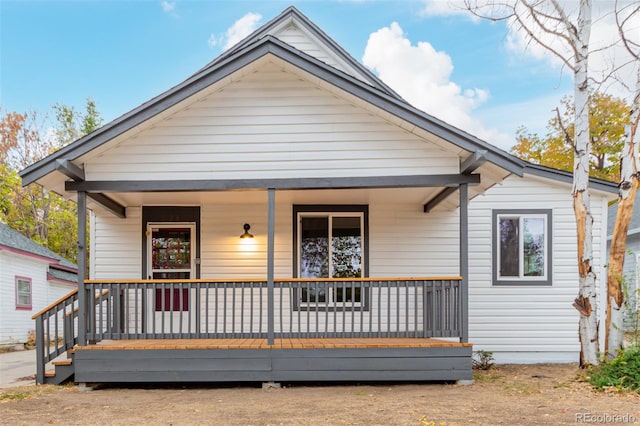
(270,267)
(464,263)
(82,261)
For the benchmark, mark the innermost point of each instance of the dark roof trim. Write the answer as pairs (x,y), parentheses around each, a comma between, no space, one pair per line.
(415,181)
(567,177)
(293,12)
(270,45)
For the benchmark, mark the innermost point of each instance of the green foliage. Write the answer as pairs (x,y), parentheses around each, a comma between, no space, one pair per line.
(482,360)
(43,216)
(607,118)
(622,372)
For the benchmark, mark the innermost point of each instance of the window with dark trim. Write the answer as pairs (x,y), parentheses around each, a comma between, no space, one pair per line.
(24,293)
(330,241)
(522,247)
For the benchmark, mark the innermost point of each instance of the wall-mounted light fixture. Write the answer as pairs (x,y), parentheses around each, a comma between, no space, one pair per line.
(246,231)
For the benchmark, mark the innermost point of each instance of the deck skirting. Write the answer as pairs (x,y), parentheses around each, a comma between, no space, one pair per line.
(446,362)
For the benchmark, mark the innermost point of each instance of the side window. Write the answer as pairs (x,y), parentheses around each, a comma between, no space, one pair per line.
(522,247)
(23,293)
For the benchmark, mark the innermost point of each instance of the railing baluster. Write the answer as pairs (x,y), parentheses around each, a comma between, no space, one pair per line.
(406,308)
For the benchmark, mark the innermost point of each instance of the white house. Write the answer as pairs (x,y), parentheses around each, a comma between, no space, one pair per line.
(31,278)
(378,242)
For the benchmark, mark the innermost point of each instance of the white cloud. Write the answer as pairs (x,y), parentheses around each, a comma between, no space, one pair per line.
(213,41)
(422,76)
(445,8)
(607,51)
(168,6)
(241,28)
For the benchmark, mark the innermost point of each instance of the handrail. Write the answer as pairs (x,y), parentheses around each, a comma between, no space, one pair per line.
(277,280)
(54,304)
(213,309)
(56,331)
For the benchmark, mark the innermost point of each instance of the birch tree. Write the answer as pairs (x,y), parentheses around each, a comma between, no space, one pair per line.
(627,190)
(569,42)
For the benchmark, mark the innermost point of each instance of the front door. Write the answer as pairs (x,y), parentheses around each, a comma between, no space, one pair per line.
(171,256)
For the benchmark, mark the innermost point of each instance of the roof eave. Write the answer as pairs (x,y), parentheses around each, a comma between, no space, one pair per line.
(567,177)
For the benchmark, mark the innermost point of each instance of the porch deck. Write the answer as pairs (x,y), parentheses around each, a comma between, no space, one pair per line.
(253,330)
(158,344)
(287,360)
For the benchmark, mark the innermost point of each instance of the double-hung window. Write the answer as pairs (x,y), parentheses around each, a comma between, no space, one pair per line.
(330,243)
(522,247)
(23,293)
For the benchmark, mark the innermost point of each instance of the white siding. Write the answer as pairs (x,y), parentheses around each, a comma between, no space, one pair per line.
(403,242)
(116,246)
(300,39)
(15,324)
(270,124)
(225,255)
(527,323)
(406,242)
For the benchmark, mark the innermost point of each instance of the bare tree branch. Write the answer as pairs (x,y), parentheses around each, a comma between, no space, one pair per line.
(567,137)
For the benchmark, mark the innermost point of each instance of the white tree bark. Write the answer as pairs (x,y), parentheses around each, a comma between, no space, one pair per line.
(628,188)
(586,303)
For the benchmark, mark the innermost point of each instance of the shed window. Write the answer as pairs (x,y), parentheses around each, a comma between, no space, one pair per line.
(23,293)
(522,247)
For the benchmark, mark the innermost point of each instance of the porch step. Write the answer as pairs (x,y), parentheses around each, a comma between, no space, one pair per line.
(63,371)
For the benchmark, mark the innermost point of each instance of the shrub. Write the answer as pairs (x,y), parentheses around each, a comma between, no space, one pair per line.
(482,360)
(622,372)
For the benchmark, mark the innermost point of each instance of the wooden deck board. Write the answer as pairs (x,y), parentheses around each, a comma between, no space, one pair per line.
(151,344)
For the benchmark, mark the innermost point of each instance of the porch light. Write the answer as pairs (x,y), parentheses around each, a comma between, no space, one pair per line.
(246,231)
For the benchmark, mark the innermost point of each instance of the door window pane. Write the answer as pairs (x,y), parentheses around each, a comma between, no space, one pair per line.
(171,248)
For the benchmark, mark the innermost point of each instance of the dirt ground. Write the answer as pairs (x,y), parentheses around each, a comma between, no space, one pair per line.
(547,394)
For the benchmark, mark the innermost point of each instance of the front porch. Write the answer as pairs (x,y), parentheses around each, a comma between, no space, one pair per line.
(222,330)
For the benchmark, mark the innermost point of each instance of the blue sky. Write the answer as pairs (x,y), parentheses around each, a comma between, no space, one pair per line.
(122,53)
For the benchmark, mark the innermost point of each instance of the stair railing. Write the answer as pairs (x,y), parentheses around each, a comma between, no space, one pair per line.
(56,331)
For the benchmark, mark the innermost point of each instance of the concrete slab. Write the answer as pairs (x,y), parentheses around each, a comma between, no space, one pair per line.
(15,366)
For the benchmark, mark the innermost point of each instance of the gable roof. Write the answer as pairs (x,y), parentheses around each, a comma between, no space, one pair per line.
(293,15)
(365,86)
(245,55)
(15,241)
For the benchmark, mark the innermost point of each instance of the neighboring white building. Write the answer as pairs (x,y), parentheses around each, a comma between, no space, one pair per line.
(31,278)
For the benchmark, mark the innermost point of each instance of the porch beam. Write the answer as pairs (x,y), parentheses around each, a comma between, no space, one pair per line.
(467,167)
(76,173)
(413,181)
(109,204)
(69,169)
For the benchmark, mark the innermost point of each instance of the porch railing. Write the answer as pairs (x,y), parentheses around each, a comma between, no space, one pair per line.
(56,331)
(302,308)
